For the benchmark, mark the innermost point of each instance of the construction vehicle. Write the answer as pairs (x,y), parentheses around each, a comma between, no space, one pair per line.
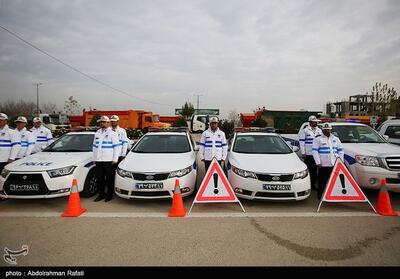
(55,121)
(128,119)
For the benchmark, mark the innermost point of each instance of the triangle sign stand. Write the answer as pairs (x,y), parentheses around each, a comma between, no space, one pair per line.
(342,187)
(215,187)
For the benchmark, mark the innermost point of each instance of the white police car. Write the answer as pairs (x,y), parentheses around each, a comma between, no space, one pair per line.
(150,169)
(368,155)
(262,165)
(48,174)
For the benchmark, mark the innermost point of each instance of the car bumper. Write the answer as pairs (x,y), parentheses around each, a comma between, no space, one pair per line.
(370,177)
(249,188)
(126,187)
(49,187)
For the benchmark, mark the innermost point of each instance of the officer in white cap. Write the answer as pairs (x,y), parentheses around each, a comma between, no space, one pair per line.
(123,138)
(27,138)
(326,149)
(42,135)
(306,139)
(213,144)
(10,142)
(106,150)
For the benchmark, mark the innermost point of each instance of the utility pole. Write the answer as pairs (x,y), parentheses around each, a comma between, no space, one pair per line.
(37,96)
(198,102)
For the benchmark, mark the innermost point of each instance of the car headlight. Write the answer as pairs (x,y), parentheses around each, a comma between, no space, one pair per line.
(61,172)
(301,174)
(180,173)
(367,160)
(4,173)
(244,173)
(124,173)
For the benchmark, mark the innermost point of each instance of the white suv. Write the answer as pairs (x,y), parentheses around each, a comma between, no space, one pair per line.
(369,156)
(390,129)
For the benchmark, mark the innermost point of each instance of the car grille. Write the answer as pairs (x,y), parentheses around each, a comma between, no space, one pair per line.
(269,177)
(148,176)
(25,184)
(274,195)
(393,163)
(393,180)
(150,193)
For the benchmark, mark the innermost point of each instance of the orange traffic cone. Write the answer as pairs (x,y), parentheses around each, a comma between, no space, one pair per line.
(384,206)
(177,209)
(74,208)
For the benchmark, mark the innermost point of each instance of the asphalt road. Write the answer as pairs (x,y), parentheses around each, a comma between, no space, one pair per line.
(138,233)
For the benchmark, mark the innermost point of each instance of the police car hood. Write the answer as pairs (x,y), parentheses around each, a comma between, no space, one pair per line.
(371,149)
(43,161)
(267,163)
(160,162)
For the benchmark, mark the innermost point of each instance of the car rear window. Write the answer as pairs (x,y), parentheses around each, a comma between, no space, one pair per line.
(162,144)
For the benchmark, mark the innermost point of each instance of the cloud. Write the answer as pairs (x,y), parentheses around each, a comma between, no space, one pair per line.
(238,54)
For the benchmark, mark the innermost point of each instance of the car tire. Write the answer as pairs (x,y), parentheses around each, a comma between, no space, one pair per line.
(90,186)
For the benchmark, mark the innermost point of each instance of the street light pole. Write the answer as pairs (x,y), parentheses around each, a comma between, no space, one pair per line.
(198,101)
(37,96)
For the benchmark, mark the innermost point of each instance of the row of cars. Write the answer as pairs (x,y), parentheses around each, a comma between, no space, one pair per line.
(260,165)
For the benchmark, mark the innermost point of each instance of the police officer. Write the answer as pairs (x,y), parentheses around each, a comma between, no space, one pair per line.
(306,139)
(326,149)
(10,142)
(41,134)
(106,150)
(213,144)
(27,138)
(123,139)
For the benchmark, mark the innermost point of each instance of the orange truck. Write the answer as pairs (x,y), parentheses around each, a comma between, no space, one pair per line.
(136,119)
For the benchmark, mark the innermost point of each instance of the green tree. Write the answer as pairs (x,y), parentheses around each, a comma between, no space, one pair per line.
(187,110)
(259,122)
(72,107)
(180,122)
(94,120)
(228,126)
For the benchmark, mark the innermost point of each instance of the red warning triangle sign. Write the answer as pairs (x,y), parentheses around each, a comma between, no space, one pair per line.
(342,186)
(215,186)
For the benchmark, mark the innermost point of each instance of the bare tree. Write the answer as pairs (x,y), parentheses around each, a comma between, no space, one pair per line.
(234,117)
(15,108)
(49,108)
(72,107)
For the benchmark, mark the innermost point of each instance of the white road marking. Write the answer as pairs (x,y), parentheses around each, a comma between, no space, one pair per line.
(193,215)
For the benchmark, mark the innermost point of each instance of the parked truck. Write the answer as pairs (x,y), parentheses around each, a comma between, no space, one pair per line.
(135,119)
(55,121)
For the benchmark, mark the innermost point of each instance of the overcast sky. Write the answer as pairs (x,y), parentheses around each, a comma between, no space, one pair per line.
(238,54)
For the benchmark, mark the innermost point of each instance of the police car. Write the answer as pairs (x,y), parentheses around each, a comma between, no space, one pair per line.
(369,156)
(48,174)
(262,165)
(159,158)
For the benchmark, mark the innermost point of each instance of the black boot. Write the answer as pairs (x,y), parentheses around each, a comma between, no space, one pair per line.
(99,198)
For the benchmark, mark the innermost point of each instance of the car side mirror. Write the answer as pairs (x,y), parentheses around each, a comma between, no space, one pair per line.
(295,148)
(386,137)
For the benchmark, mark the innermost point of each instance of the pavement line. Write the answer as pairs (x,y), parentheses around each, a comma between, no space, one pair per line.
(194,215)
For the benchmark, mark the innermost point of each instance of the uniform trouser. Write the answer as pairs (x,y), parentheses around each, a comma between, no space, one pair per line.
(208,163)
(323,176)
(312,169)
(114,171)
(2,165)
(104,175)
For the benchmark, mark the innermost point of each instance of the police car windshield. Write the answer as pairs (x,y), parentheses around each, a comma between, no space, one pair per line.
(72,143)
(162,144)
(356,134)
(260,144)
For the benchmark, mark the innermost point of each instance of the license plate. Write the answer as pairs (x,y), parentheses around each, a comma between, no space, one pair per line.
(276,187)
(141,186)
(24,187)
